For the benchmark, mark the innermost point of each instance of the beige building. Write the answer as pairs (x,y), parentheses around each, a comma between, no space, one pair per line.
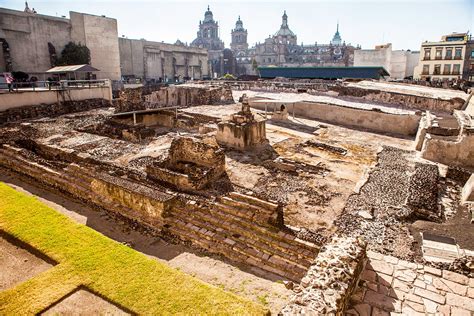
(450,58)
(154,61)
(31,42)
(399,63)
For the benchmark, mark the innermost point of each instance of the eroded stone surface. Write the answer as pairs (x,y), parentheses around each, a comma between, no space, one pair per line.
(414,289)
(331,279)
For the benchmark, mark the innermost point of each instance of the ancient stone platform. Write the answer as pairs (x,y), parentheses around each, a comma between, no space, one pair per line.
(389,286)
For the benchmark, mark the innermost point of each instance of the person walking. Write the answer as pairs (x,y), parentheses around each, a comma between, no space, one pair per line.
(9,80)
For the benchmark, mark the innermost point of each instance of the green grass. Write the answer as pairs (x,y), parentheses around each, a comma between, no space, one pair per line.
(86,257)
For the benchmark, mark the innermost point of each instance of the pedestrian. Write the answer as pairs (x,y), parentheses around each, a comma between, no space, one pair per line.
(49,83)
(9,80)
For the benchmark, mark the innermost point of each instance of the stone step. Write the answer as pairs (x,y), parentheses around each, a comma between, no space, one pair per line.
(254,201)
(260,215)
(267,245)
(234,249)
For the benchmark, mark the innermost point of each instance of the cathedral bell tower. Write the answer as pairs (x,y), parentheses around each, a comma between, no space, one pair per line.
(239,37)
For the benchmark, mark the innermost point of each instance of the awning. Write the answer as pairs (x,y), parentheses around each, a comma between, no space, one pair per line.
(73,68)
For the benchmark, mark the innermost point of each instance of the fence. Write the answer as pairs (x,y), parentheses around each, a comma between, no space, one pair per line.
(56,85)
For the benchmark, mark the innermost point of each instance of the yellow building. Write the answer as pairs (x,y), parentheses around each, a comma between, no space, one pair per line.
(450,58)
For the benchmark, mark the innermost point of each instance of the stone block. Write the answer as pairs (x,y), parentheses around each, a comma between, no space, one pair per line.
(380,266)
(460,301)
(435,297)
(455,277)
(433,271)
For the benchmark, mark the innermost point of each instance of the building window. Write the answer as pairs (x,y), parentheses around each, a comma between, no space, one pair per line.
(471,67)
(426,70)
(427,54)
(437,70)
(456,69)
(449,53)
(447,69)
(472,54)
(458,53)
(439,53)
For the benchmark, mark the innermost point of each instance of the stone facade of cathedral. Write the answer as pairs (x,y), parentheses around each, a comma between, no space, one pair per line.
(281,49)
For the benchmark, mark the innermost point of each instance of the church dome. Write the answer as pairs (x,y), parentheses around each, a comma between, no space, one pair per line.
(239,25)
(208,16)
(284,28)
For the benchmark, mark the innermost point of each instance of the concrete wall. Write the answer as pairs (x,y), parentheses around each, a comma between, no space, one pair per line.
(398,63)
(373,57)
(376,121)
(15,100)
(28,35)
(153,60)
(100,35)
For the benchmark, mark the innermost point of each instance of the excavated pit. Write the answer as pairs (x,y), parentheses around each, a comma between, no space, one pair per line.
(266,194)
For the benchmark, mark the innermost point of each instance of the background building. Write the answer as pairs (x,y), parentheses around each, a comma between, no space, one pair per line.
(208,37)
(32,42)
(159,61)
(399,63)
(450,58)
(282,49)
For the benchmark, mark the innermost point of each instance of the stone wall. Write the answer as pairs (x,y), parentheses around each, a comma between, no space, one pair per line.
(143,98)
(49,110)
(192,164)
(453,150)
(403,100)
(241,136)
(39,97)
(406,99)
(122,196)
(370,119)
(331,279)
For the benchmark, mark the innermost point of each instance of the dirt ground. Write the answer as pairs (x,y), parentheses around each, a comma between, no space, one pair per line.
(18,264)
(265,289)
(313,199)
(82,303)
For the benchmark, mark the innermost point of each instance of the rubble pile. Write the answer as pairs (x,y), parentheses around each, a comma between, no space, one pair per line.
(331,279)
(423,196)
(378,211)
(387,186)
(327,147)
(463,265)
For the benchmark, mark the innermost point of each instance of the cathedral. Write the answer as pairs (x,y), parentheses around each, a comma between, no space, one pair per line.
(280,50)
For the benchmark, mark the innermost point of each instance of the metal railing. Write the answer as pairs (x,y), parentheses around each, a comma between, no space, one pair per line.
(56,85)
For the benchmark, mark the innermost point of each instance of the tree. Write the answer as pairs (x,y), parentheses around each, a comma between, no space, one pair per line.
(254,65)
(75,54)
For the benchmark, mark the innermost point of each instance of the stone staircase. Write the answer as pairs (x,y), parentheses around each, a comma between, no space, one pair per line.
(242,228)
(239,227)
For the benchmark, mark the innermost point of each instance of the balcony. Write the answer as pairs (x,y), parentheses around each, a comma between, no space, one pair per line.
(425,73)
(427,58)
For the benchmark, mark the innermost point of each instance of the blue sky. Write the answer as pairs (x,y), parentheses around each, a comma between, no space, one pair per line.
(404,23)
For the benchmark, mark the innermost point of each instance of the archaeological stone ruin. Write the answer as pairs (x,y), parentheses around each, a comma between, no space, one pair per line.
(341,193)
